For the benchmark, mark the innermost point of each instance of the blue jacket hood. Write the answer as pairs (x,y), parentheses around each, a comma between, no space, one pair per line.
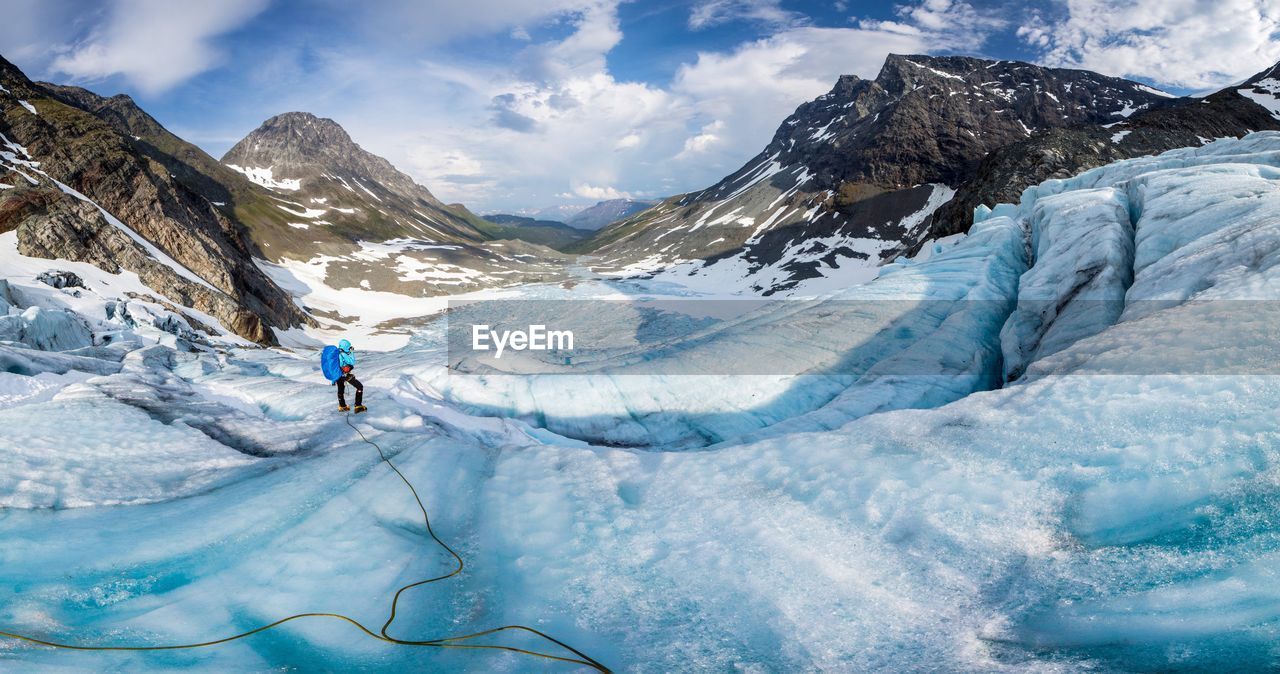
(345,354)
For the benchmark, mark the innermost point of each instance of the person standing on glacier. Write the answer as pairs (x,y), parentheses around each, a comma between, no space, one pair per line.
(347,360)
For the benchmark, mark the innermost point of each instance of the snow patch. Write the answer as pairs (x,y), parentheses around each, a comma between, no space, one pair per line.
(265,177)
(1265,93)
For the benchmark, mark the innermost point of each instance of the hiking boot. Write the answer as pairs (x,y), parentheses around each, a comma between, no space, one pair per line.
(343,408)
(361,408)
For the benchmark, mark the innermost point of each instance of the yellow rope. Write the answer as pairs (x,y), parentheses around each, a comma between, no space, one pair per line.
(382,635)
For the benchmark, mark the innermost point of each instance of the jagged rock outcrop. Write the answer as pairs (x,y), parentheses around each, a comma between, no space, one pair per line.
(60,279)
(47,138)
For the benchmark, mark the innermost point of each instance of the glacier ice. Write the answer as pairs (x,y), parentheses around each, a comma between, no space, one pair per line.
(48,330)
(940,317)
(1082,241)
(893,523)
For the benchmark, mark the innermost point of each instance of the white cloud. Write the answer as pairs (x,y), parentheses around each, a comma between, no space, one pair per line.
(31,27)
(946,25)
(454,171)
(532,129)
(627,142)
(949,18)
(595,193)
(1181,43)
(708,13)
(417,23)
(156,43)
(705,140)
(750,90)
(541,125)
(582,53)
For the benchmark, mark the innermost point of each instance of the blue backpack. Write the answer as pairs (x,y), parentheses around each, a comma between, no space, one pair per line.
(330,364)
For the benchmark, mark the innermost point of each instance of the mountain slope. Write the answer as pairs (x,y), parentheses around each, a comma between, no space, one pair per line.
(318,175)
(186,162)
(605,213)
(549,233)
(65,154)
(560,213)
(239,199)
(852,173)
(353,221)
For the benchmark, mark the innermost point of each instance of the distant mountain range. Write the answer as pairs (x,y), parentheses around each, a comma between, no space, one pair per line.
(605,213)
(549,233)
(566,234)
(592,218)
(559,213)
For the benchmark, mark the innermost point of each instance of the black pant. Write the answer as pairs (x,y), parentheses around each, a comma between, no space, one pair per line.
(345,379)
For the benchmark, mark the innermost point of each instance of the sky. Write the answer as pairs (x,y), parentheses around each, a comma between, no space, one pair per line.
(515,105)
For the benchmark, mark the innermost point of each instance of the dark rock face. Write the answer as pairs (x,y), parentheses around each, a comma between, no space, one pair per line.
(72,145)
(797,206)
(54,225)
(1185,122)
(929,119)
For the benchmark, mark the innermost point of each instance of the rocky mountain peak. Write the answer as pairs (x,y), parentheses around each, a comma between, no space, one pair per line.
(864,165)
(902,72)
(334,193)
(844,86)
(932,118)
(306,133)
(301,145)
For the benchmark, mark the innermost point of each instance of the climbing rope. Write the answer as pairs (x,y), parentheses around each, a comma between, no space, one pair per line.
(459,642)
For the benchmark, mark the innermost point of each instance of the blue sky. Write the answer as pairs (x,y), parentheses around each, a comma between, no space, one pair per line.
(512,105)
